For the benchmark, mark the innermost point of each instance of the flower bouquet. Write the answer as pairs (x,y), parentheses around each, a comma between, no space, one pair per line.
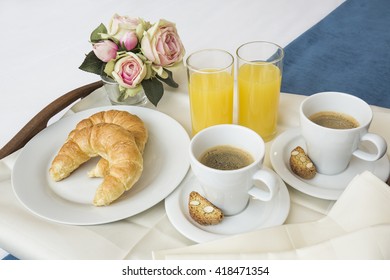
(136,55)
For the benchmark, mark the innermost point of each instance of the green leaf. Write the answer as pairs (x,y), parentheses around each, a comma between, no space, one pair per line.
(169,81)
(154,90)
(95,35)
(109,68)
(92,64)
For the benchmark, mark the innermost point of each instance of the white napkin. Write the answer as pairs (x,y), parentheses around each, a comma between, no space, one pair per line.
(357,226)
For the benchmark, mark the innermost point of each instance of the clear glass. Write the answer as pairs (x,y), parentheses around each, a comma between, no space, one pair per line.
(260,67)
(116,96)
(210,75)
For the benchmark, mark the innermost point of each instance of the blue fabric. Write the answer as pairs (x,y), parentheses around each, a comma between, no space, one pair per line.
(10,257)
(348,51)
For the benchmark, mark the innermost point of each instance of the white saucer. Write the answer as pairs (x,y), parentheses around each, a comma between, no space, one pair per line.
(321,186)
(258,214)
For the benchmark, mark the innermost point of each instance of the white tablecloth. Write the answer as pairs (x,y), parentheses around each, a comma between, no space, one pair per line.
(138,236)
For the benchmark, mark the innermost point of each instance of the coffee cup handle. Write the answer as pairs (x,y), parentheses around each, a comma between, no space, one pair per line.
(380,144)
(265,185)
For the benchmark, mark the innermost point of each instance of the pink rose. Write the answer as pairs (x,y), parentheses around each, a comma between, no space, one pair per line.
(105,50)
(129,71)
(120,25)
(129,40)
(161,44)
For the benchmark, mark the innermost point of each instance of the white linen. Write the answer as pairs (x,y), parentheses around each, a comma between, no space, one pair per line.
(369,243)
(138,236)
(3,253)
(357,227)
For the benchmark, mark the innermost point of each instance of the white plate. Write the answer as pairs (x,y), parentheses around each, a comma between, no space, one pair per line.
(322,186)
(258,214)
(69,201)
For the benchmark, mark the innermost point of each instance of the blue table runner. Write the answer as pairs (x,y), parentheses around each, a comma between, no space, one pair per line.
(9,257)
(347,51)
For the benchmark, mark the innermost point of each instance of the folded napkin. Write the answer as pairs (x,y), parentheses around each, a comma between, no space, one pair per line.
(357,226)
(347,51)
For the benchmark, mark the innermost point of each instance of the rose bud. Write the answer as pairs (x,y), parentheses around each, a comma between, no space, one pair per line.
(105,50)
(129,40)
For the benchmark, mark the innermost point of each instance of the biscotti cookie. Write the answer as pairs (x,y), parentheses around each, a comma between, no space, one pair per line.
(301,164)
(203,211)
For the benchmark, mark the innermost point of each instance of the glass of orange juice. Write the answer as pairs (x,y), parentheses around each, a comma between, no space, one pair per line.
(260,66)
(211,85)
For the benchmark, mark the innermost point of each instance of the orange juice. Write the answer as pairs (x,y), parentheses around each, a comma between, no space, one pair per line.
(211,99)
(258,98)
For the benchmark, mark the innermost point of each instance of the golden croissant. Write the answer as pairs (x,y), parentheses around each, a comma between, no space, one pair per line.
(124,119)
(113,143)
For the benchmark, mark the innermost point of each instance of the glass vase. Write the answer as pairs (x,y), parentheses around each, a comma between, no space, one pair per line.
(119,98)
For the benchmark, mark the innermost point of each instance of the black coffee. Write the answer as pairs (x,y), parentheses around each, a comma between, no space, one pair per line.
(334,120)
(226,158)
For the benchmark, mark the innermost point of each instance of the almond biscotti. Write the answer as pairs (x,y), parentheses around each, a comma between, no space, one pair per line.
(301,164)
(203,211)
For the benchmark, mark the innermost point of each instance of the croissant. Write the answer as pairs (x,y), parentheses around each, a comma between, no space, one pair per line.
(124,119)
(113,143)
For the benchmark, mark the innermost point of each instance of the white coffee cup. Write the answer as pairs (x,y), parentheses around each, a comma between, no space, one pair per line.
(230,190)
(331,149)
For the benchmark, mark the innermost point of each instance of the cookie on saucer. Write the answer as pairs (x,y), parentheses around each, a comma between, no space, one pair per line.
(203,211)
(301,164)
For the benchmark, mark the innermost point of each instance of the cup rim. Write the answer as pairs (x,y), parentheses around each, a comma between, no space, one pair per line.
(255,161)
(199,70)
(280,58)
(337,130)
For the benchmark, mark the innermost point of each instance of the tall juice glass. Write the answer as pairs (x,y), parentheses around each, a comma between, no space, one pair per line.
(211,86)
(260,67)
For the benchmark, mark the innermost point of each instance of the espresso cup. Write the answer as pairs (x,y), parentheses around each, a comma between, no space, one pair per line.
(334,125)
(230,190)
